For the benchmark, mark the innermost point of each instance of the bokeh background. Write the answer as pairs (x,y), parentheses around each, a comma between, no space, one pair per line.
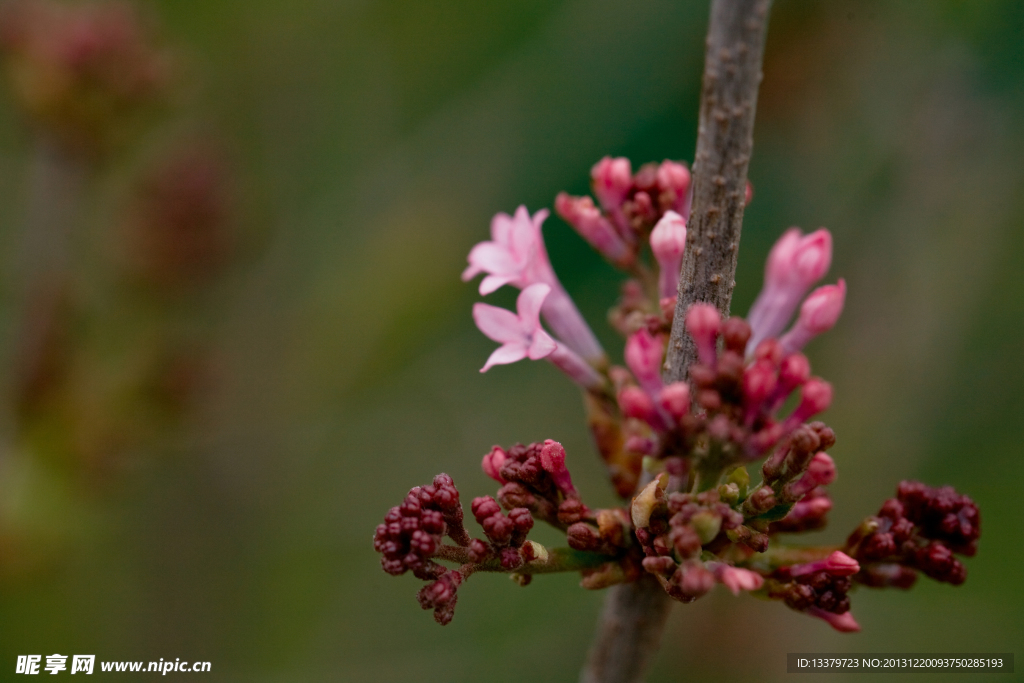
(361,148)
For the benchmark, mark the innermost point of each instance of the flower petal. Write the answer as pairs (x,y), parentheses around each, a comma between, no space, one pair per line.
(499,325)
(492,258)
(493,283)
(528,305)
(505,354)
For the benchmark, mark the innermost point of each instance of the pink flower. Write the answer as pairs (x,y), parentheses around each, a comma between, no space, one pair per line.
(794,264)
(590,223)
(815,397)
(516,256)
(668,242)
(736,579)
(521,336)
(818,314)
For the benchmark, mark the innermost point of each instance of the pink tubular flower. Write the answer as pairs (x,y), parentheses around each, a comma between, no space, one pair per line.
(794,264)
(644,354)
(590,223)
(702,322)
(668,242)
(516,256)
(492,463)
(521,336)
(818,314)
(844,623)
(736,579)
(552,459)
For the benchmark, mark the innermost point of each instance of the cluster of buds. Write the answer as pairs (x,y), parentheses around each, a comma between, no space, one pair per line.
(680,450)
(920,529)
(411,536)
(535,482)
(78,69)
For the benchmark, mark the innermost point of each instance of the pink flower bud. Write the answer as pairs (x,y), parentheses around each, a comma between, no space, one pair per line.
(821,471)
(552,459)
(668,242)
(613,179)
(590,223)
(815,397)
(634,402)
(674,178)
(675,399)
(844,623)
(759,382)
(736,579)
(812,257)
(644,353)
(836,564)
(841,564)
(702,322)
(794,370)
(818,314)
(748,194)
(492,463)
(794,264)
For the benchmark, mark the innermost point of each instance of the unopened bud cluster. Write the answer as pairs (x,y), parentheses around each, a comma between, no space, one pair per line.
(921,529)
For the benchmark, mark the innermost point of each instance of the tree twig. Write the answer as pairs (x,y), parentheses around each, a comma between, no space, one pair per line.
(634,615)
(732,74)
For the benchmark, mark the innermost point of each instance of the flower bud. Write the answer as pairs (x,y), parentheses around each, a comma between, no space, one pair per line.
(675,399)
(612,180)
(668,242)
(702,322)
(492,463)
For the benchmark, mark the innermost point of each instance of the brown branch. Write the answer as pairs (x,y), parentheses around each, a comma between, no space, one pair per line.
(732,73)
(634,615)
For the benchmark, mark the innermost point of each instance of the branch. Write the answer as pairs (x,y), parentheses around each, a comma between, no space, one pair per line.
(555,560)
(634,614)
(732,73)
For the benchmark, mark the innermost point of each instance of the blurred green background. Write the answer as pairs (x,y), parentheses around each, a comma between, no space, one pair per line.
(371,142)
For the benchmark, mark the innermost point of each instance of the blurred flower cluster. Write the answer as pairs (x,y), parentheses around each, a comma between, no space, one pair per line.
(678,452)
(110,358)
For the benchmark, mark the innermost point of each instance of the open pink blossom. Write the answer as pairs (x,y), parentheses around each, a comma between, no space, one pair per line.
(521,336)
(516,256)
